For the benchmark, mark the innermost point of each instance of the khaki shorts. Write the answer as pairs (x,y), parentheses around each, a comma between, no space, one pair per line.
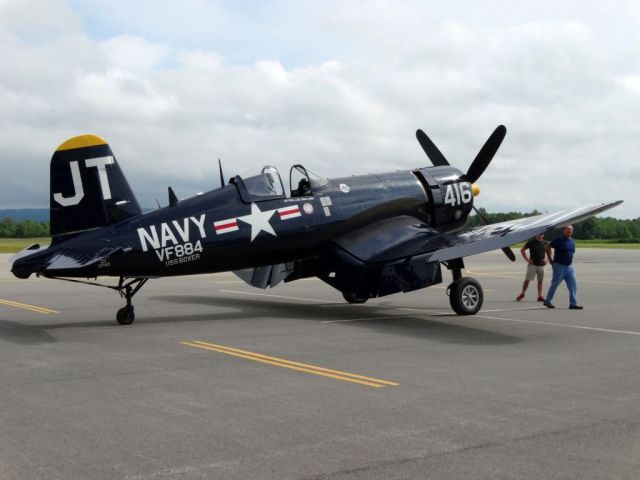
(532,271)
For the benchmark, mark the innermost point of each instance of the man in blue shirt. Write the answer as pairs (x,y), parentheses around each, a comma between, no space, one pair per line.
(563,248)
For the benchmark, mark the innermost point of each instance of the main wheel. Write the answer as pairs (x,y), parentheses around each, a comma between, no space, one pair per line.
(352,298)
(465,296)
(125,315)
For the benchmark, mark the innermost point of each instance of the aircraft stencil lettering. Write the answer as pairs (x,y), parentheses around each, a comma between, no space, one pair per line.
(174,243)
(100,163)
(373,235)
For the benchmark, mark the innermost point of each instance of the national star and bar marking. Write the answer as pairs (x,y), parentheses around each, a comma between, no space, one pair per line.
(225,226)
(289,212)
(259,220)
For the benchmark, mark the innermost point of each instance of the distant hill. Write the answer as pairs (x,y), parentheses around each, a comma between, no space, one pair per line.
(35,214)
(19,214)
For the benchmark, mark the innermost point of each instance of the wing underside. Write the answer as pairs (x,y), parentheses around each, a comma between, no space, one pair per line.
(404,237)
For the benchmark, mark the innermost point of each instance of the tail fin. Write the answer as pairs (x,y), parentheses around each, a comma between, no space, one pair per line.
(88,189)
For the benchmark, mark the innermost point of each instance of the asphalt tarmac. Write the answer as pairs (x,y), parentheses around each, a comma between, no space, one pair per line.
(216,379)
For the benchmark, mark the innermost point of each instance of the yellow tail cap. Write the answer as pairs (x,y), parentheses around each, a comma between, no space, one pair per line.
(82,141)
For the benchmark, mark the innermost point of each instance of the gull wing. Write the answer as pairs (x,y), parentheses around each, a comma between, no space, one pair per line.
(503,234)
(404,237)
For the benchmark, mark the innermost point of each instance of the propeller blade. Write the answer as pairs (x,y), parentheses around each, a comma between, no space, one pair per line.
(485,155)
(431,150)
(509,253)
(507,250)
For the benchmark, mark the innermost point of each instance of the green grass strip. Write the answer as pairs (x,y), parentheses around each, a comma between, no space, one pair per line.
(13,245)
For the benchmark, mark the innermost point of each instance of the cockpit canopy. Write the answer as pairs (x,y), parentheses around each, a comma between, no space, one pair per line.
(303,182)
(268,185)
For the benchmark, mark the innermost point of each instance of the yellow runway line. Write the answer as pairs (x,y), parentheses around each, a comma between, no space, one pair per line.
(276,359)
(301,367)
(26,306)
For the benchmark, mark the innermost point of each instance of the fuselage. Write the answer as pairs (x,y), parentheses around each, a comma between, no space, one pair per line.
(232,228)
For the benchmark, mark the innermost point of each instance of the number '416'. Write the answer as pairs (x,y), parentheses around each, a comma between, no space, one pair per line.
(457,194)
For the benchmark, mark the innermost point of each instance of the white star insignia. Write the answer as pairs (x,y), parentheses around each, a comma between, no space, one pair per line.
(259,221)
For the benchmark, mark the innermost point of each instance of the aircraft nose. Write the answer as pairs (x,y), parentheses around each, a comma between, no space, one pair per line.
(475,189)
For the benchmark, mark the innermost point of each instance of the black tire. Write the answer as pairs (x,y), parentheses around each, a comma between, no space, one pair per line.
(466,296)
(125,315)
(352,298)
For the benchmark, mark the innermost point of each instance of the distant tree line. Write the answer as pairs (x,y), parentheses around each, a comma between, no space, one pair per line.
(607,228)
(610,229)
(9,228)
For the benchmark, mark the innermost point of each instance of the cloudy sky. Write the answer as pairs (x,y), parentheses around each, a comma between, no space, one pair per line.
(339,86)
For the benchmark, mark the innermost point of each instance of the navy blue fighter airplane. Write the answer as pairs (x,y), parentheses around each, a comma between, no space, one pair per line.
(367,236)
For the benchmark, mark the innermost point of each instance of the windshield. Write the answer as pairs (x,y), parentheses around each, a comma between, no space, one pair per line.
(315,180)
(303,183)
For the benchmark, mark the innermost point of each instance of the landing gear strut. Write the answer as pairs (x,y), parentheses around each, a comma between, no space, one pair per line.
(465,293)
(126,315)
(127,288)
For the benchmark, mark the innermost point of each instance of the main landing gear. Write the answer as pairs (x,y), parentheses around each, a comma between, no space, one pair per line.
(465,293)
(128,289)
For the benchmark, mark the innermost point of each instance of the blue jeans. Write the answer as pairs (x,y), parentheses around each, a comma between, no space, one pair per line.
(566,273)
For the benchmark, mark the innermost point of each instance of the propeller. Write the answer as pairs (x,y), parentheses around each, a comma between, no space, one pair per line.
(479,164)
(477,167)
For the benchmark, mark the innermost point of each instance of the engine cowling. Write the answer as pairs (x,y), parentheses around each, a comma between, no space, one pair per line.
(450,196)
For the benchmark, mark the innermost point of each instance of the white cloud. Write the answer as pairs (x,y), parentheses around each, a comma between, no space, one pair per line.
(340,88)
(121,95)
(134,53)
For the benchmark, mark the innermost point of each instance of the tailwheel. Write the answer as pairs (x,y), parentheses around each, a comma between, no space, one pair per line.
(465,296)
(125,315)
(352,298)
(127,288)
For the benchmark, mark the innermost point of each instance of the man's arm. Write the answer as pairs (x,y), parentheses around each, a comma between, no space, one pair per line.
(548,250)
(523,252)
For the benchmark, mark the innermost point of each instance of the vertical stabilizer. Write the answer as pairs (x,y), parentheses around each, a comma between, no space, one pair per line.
(88,189)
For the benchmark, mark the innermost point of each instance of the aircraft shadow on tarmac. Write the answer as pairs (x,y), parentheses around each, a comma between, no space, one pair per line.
(411,325)
(22,334)
(423,326)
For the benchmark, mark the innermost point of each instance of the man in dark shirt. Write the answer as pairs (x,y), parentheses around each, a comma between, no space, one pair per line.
(563,248)
(536,263)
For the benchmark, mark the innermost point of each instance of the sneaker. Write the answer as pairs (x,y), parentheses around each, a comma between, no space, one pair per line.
(575,307)
(541,299)
(519,297)
(549,305)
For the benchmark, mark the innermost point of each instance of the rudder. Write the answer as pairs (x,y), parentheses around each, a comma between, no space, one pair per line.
(88,188)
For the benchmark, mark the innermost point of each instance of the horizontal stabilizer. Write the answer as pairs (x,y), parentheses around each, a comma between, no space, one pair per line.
(30,250)
(74,259)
